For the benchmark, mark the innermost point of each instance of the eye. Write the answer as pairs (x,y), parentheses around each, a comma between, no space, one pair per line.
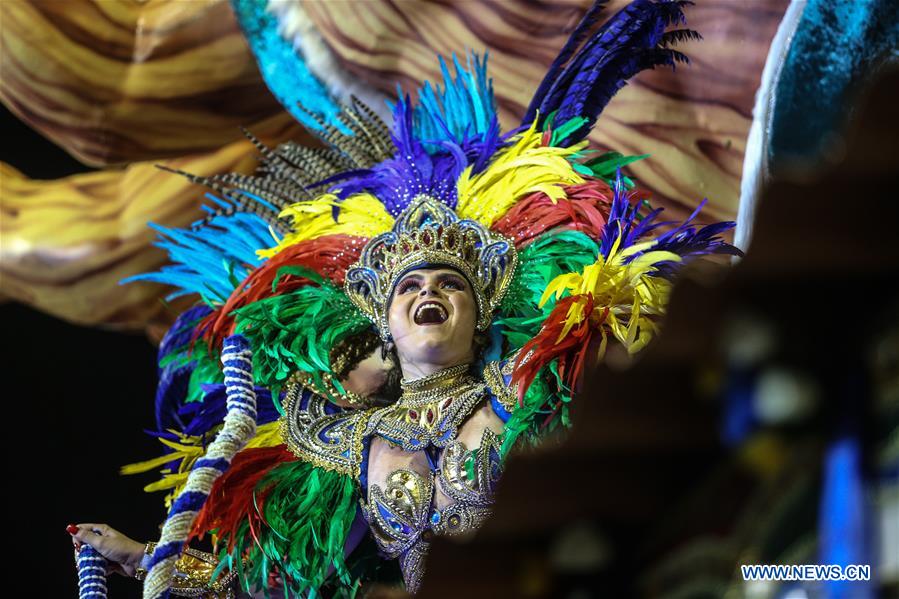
(452,283)
(407,285)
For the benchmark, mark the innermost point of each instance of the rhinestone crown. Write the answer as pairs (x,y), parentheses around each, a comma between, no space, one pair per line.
(429,233)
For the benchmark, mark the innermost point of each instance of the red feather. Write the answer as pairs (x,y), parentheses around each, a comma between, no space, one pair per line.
(571,351)
(231,499)
(328,255)
(585,208)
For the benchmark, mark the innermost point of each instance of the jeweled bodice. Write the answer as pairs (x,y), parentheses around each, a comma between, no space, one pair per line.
(451,495)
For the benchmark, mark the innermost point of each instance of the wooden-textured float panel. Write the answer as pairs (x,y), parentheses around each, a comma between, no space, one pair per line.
(122,81)
(694,122)
(66,244)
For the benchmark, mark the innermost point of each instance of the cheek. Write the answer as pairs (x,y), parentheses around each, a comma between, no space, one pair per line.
(397,318)
(467,310)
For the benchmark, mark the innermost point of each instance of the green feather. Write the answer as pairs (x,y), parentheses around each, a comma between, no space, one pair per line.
(296,331)
(550,255)
(307,513)
(206,367)
(606,165)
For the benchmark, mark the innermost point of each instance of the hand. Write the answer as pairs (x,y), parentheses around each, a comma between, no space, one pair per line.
(123,554)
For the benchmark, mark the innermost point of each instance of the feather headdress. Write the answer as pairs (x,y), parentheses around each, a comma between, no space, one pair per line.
(282,258)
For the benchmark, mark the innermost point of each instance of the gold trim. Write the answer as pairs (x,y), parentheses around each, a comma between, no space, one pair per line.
(194,570)
(430,232)
(331,393)
(506,395)
(301,438)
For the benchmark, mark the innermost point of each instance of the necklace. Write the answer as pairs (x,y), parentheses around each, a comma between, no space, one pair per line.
(430,409)
(441,378)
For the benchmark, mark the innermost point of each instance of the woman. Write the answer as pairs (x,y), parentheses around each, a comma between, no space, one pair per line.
(485,269)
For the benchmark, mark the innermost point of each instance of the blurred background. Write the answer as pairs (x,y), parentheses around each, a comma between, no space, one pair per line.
(762,427)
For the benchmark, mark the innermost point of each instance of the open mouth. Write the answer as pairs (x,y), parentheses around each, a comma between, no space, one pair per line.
(430,313)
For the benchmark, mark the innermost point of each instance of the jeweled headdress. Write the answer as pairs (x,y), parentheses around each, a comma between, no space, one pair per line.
(429,233)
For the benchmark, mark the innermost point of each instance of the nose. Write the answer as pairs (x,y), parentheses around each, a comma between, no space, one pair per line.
(428,289)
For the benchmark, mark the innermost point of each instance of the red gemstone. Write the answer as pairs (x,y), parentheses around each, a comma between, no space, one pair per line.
(430,415)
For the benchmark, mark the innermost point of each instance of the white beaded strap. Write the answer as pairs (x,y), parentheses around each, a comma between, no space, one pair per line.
(91,574)
(239,427)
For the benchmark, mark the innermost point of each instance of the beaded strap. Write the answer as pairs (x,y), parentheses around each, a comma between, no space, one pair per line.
(91,574)
(239,427)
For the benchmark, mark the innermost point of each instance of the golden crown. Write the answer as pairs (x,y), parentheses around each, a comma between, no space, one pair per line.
(429,233)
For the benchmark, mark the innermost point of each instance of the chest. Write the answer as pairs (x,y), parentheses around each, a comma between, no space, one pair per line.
(447,490)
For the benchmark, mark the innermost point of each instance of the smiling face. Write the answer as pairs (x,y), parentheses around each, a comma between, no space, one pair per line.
(432,317)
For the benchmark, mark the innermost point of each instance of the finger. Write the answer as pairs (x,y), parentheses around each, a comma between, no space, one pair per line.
(90,528)
(103,530)
(95,535)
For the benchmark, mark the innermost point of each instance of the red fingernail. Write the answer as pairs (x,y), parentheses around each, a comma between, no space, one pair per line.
(72,529)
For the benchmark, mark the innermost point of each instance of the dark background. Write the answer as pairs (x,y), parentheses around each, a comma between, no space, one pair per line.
(78,398)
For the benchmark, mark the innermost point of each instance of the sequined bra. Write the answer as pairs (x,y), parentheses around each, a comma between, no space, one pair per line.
(403,516)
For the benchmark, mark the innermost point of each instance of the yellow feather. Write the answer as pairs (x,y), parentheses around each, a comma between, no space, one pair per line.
(267,435)
(168,481)
(189,450)
(636,248)
(147,465)
(524,167)
(630,292)
(362,215)
(559,285)
(574,317)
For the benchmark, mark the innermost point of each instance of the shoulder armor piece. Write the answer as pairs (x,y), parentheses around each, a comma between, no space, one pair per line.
(329,439)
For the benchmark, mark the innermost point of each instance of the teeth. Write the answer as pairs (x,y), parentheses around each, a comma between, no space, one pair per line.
(432,305)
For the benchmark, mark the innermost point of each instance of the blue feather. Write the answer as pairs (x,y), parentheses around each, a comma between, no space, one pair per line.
(284,69)
(454,125)
(212,257)
(463,107)
(202,417)
(174,375)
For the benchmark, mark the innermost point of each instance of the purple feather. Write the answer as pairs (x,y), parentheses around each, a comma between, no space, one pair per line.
(414,170)
(202,417)
(581,83)
(686,239)
(174,376)
(555,69)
